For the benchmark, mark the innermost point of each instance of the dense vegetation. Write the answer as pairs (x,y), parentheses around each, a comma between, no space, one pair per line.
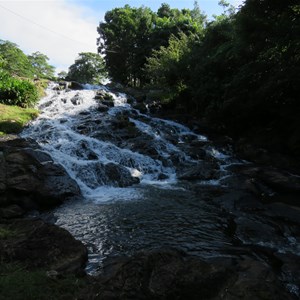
(22,82)
(88,68)
(21,75)
(129,35)
(238,72)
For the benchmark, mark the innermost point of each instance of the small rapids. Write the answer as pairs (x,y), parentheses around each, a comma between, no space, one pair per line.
(148,182)
(111,148)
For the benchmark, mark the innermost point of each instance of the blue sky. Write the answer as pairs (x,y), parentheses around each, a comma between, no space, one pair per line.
(63,28)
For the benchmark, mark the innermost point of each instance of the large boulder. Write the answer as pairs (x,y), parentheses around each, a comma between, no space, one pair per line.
(37,245)
(30,178)
(170,274)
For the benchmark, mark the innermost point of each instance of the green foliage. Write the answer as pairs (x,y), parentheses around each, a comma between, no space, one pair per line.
(41,68)
(129,35)
(15,91)
(166,65)
(17,283)
(62,75)
(14,61)
(88,68)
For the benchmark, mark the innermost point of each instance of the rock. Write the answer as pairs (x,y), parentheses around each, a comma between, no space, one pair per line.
(10,212)
(102,108)
(202,171)
(76,100)
(141,107)
(144,146)
(30,178)
(119,176)
(104,98)
(73,85)
(170,274)
(36,244)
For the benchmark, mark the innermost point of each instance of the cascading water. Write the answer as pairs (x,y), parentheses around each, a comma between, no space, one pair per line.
(86,142)
(146,182)
(108,152)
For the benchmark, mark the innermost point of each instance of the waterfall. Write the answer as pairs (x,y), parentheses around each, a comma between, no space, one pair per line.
(104,143)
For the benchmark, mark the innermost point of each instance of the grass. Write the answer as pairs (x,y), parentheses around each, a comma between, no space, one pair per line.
(14,118)
(17,283)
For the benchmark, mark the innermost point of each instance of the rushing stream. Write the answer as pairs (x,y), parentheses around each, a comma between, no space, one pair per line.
(146,182)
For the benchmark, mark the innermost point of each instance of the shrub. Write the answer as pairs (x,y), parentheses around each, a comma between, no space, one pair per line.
(14,91)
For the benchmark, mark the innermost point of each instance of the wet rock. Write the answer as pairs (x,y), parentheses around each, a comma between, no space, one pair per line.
(141,107)
(48,103)
(30,178)
(202,171)
(102,108)
(277,179)
(195,153)
(119,176)
(102,95)
(256,231)
(290,272)
(76,100)
(170,274)
(144,146)
(73,85)
(121,122)
(36,244)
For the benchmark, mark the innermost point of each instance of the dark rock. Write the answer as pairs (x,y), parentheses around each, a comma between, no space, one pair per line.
(30,178)
(10,212)
(202,171)
(48,103)
(102,108)
(105,98)
(144,146)
(119,176)
(36,244)
(73,85)
(141,107)
(170,274)
(76,100)
(195,153)
(108,103)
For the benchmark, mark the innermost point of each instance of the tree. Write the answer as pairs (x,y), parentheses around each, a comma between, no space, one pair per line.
(40,65)
(124,38)
(88,68)
(62,75)
(14,61)
(165,66)
(128,36)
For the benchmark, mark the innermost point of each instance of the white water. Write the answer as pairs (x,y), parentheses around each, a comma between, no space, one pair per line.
(68,129)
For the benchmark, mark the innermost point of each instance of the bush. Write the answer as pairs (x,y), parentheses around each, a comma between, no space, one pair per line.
(14,91)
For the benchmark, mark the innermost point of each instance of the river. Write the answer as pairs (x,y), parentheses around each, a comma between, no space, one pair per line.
(148,183)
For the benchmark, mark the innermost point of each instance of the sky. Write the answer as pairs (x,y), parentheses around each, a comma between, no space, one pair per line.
(63,28)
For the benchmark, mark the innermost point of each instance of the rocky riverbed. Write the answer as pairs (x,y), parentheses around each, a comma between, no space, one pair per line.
(201,224)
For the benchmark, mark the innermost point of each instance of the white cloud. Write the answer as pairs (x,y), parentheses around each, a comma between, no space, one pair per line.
(60,29)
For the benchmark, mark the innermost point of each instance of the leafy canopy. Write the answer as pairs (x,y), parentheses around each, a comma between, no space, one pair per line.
(88,68)
(129,35)
(14,61)
(40,65)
